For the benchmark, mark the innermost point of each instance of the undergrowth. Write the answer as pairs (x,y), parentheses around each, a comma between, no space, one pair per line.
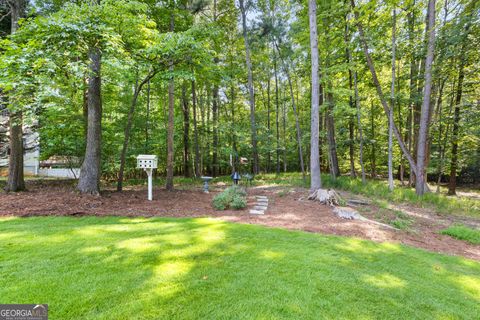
(463,233)
(233,197)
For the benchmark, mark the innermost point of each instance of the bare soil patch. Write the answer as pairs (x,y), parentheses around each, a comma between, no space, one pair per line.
(288,208)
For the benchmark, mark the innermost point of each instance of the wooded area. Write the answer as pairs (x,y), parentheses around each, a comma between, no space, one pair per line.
(378,89)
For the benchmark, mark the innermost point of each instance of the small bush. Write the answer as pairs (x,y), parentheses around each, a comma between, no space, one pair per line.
(233,197)
(238,202)
(221,201)
(463,233)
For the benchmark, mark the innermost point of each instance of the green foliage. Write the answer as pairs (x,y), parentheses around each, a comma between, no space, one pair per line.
(44,67)
(238,202)
(401,224)
(139,268)
(233,197)
(463,233)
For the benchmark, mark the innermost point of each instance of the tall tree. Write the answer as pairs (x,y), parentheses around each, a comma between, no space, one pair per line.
(16,181)
(186,132)
(452,185)
(359,124)
(131,112)
(316,182)
(392,104)
(198,171)
(89,181)
(378,87)
(251,93)
(420,182)
(171,118)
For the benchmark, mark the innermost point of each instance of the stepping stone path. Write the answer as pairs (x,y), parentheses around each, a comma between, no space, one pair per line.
(260,206)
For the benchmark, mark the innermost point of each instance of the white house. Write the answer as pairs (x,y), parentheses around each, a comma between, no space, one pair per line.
(31,144)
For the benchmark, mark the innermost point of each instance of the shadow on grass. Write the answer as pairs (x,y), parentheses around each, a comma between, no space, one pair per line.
(120,268)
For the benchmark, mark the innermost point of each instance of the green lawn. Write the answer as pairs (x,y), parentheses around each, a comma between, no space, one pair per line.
(124,268)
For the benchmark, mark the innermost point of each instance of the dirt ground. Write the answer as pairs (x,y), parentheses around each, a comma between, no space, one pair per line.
(288,208)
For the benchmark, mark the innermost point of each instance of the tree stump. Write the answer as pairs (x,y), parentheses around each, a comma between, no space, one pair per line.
(325,196)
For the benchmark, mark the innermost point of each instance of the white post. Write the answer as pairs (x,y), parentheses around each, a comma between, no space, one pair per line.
(149,173)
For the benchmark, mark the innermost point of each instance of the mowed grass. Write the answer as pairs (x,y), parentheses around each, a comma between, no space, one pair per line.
(157,268)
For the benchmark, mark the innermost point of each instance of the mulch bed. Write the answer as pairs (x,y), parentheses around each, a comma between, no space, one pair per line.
(287,209)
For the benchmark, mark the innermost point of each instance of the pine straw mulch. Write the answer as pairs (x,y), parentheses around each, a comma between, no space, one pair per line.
(288,208)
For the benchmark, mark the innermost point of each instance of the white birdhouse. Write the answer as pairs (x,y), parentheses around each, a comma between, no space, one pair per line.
(146,161)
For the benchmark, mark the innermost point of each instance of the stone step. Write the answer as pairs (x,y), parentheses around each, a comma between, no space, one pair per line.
(256,212)
(261,197)
(262,208)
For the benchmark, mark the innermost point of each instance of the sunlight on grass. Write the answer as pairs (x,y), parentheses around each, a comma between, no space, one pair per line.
(357,245)
(469,284)
(164,268)
(386,281)
(272,255)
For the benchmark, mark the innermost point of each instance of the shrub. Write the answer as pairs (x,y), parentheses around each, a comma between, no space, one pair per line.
(463,233)
(233,197)
(221,201)
(238,202)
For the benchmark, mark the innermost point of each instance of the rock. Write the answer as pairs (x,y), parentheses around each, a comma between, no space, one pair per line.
(352,214)
(347,213)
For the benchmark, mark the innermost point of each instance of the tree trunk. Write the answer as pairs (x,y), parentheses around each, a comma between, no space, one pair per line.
(128,127)
(253,126)
(297,123)
(420,183)
(202,143)
(322,126)
(284,118)
(332,144)
(277,110)
(452,185)
(359,124)
(171,120)
(198,171)
(269,158)
(147,120)
(215,130)
(458,99)
(186,132)
(89,181)
(392,104)
(233,132)
(297,126)
(351,125)
(373,156)
(441,140)
(316,182)
(413,87)
(16,181)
